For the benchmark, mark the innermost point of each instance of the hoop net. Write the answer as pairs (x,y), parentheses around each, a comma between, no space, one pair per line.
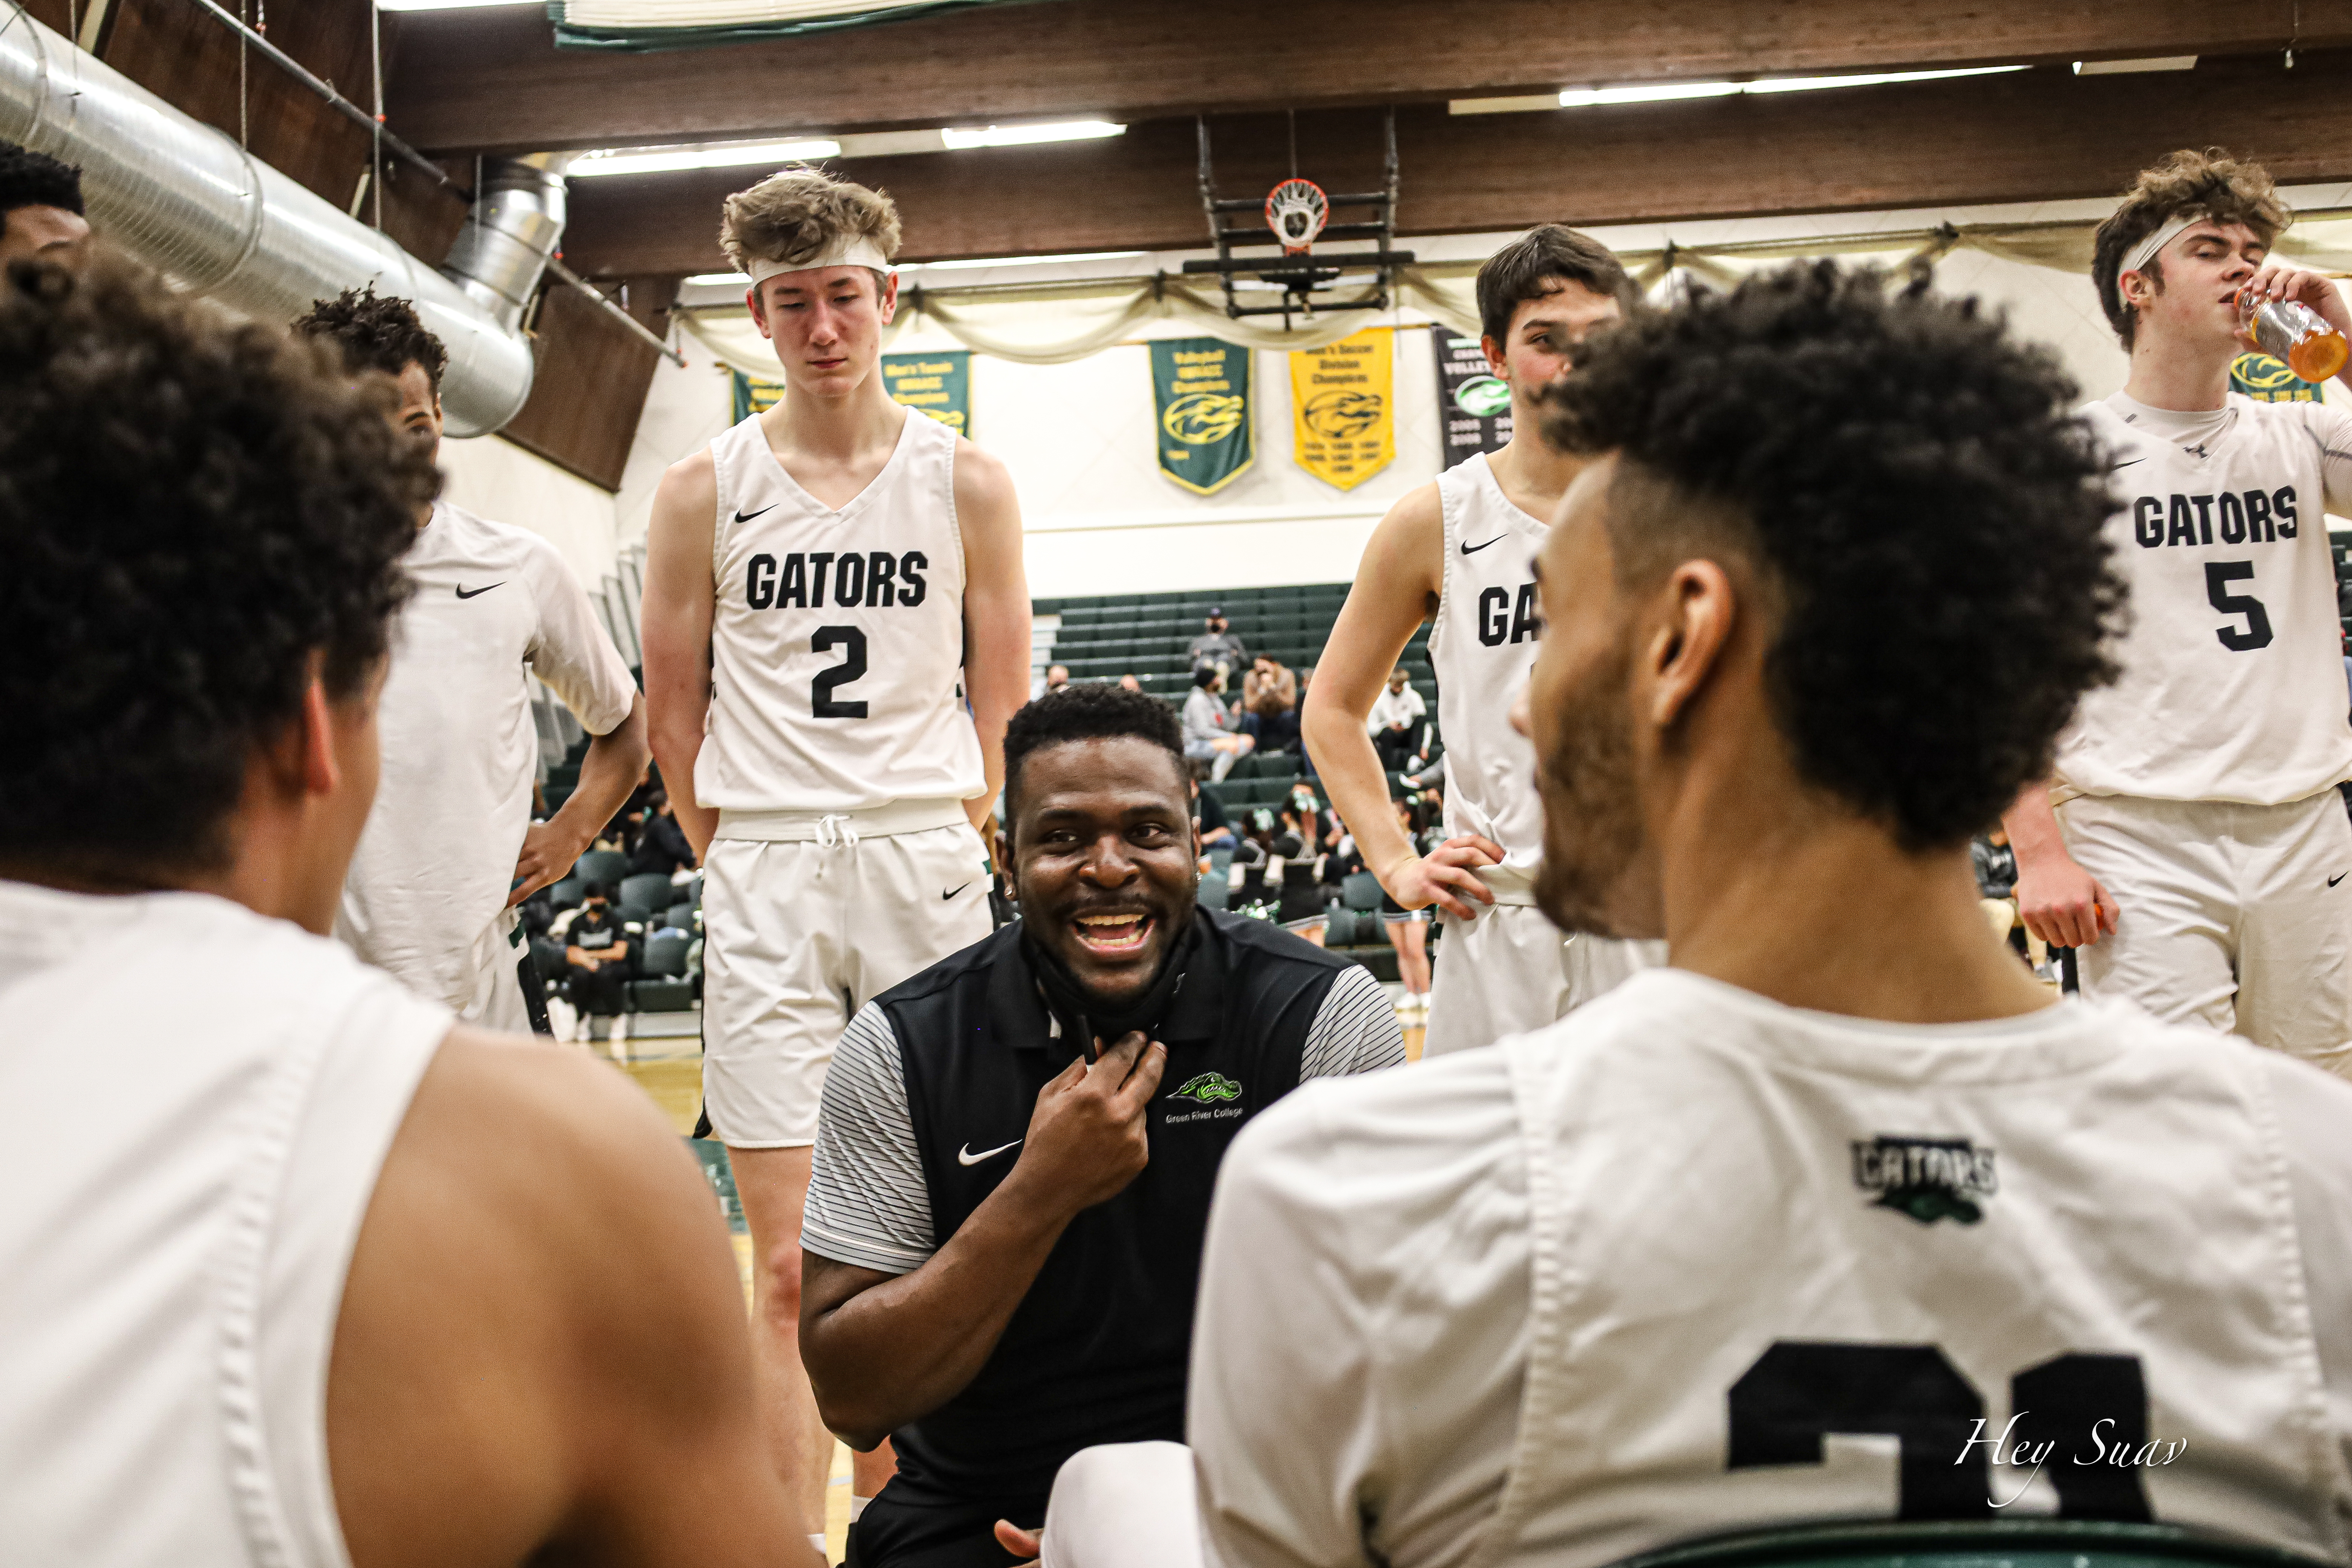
(1295,210)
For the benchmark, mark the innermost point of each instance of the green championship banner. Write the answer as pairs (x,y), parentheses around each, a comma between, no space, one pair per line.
(1474,406)
(939,384)
(2267,380)
(1343,407)
(1201,409)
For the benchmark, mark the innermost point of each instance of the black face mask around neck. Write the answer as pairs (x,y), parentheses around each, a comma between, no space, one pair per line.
(1084,1018)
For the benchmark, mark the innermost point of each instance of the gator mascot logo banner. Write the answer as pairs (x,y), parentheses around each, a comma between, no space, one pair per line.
(1200,412)
(1343,407)
(1474,406)
(2267,380)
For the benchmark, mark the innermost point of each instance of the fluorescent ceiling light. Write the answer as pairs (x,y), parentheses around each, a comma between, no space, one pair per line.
(718,155)
(1660,93)
(1024,135)
(445,5)
(2123,68)
(717,280)
(1018,260)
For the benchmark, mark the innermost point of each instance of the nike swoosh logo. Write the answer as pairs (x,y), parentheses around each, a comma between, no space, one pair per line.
(748,516)
(2337,878)
(2127,462)
(944,897)
(1470,549)
(964,1156)
(478,593)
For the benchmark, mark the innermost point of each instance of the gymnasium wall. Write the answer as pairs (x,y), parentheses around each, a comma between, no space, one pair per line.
(1101,519)
(491,475)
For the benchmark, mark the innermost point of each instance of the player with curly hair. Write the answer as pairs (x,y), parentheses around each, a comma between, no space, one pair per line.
(40,204)
(1829,591)
(2190,841)
(836,629)
(451,847)
(299,1270)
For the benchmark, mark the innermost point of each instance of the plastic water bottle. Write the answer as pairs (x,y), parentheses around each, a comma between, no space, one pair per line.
(2290,331)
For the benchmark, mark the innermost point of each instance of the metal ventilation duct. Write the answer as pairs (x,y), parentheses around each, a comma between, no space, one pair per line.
(190,201)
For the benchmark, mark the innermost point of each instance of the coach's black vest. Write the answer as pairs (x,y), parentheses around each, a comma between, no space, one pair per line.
(1096,1351)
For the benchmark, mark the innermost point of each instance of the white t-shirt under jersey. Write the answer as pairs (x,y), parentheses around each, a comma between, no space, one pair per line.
(2233,687)
(1687,1259)
(836,641)
(1482,646)
(494,604)
(194,1105)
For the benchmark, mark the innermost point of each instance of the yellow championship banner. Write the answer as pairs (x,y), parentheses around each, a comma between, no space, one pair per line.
(1343,407)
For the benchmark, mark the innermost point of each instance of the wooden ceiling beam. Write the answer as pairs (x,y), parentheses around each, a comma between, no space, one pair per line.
(2035,136)
(491,81)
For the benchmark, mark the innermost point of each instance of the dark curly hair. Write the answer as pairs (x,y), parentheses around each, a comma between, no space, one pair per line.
(196,507)
(1086,711)
(30,179)
(1924,509)
(377,332)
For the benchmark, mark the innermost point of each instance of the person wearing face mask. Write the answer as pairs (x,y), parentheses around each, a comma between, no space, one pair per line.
(1017,1146)
(450,847)
(2189,840)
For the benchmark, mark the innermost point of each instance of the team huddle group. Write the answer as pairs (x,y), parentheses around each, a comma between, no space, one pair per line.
(1121,1234)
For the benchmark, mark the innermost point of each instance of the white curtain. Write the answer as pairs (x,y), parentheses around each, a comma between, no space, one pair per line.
(1054,323)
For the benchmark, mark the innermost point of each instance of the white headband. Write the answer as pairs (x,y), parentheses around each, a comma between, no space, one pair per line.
(2145,251)
(859,251)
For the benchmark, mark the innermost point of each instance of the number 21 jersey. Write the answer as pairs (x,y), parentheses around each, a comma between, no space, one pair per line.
(836,643)
(2233,685)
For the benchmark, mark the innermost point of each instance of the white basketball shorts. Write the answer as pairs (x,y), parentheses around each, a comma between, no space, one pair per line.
(1510,970)
(2238,917)
(494,998)
(798,935)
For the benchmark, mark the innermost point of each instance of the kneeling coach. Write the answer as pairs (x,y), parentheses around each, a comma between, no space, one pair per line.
(1017,1147)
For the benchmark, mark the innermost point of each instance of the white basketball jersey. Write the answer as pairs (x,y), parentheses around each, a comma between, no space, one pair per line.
(2232,684)
(1482,646)
(836,646)
(195,1104)
(1787,1266)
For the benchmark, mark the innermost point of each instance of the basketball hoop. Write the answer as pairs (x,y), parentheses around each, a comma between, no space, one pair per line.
(1295,210)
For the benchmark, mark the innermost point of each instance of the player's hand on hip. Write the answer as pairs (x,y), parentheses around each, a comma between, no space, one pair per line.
(1085,1139)
(546,856)
(2063,904)
(1447,877)
(2279,279)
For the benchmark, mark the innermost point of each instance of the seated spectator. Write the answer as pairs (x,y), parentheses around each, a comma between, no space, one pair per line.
(1270,705)
(1208,733)
(1218,649)
(597,963)
(1128,683)
(1057,676)
(661,848)
(1615,1283)
(1996,868)
(1396,722)
(1211,826)
(1009,1278)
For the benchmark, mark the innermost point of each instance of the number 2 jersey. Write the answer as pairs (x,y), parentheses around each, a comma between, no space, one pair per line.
(2233,685)
(836,644)
(1691,1260)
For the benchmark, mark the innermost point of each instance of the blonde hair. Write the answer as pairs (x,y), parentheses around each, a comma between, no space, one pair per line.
(2209,184)
(800,212)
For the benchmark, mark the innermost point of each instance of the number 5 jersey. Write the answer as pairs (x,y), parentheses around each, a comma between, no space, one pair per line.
(2232,686)
(837,640)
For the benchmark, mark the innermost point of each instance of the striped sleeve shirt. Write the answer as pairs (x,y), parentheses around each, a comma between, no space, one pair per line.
(868,1205)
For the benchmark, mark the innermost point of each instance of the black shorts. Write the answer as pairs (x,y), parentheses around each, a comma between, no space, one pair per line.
(897,1531)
